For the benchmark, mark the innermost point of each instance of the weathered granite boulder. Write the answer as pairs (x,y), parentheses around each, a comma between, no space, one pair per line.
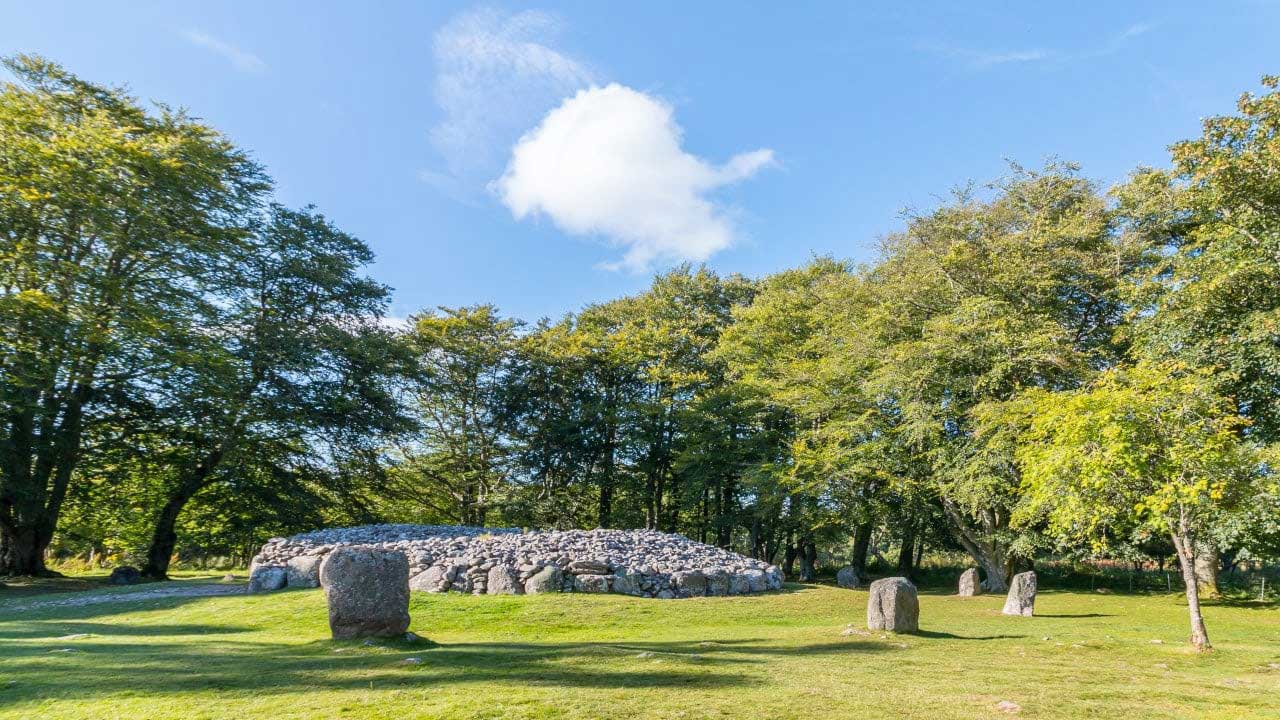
(548,579)
(434,579)
(591,583)
(690,582)
(266,578)
(625,582)
(368,592)
(124,575)
(303,571)
(970,584)
(848,578)
(718,582)
(893,605)
(504,580)
(756,581)
(773,577)
(1022,595)
(739,584)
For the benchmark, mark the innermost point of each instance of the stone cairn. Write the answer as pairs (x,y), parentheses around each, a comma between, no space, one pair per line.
(1022,595)
(480,561)
(893,605)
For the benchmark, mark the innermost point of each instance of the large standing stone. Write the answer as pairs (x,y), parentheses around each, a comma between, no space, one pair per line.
(848,578)
(1022,595)
(504,580)
(893,605)
(548,579)
(368,592)
(265,578)
(969,583)
(303,571)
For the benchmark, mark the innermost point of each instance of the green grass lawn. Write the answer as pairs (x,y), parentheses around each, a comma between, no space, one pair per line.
(781,655)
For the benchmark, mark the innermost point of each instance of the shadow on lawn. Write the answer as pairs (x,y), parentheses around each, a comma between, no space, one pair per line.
(97,669)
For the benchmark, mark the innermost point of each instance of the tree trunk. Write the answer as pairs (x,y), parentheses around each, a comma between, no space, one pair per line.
(808,560)
(981,546)
(20,552)
(906,553)
(861,542)
(1206,568)
(1184,543)
(789,558)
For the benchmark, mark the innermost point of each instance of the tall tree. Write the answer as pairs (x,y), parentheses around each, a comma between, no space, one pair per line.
(460,465)
(1149,443)
(290,368)
(113,224)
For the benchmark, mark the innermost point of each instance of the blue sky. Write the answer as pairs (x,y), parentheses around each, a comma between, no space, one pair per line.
(545,156)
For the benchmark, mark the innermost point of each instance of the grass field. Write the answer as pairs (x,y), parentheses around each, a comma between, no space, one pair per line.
(783,655)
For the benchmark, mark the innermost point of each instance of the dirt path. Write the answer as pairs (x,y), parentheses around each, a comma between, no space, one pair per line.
(157,593)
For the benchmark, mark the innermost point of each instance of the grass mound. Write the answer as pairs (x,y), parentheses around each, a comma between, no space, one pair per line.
(783,655)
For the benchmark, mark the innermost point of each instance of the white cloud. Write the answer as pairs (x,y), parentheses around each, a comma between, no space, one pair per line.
(608,162)
(496,74)
(240,59)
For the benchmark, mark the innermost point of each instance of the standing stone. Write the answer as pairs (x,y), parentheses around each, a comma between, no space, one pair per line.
(548,579)
(1022,595)
(756,580)
(969,584)
(265,578)
(368,592)
(303,571)
(504,580)
(893,605)
(848,578)
(739,584)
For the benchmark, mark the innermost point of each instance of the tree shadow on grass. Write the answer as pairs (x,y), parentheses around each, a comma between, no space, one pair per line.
(949,636)
(101,669)
(53,630)
(1074,615)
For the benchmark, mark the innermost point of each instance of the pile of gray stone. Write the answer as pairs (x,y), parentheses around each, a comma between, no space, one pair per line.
(497,561)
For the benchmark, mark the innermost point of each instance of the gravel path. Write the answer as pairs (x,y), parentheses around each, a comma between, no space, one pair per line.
(158,593)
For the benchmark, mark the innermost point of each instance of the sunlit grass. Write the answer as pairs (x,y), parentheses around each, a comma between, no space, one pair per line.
(580,656)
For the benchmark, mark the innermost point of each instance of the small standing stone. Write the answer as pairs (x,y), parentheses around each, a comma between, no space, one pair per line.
(893,605)
(969,583)
(1022,595)
(848,578)
(368,592)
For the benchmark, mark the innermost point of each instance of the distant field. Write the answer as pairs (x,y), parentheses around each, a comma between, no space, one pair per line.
(581,656)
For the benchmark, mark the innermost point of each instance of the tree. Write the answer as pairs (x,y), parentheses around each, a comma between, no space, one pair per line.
(974,303)
(461,464)
(290,368)
(1151,444)
(114,222)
